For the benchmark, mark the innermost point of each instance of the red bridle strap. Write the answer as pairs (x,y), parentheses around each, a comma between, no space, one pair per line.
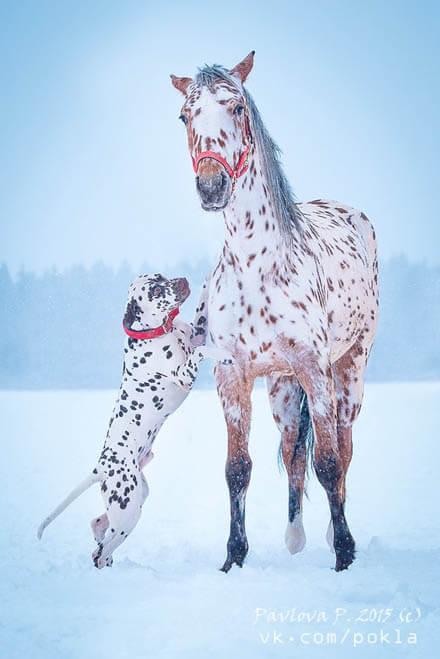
(243,163)
(166,327)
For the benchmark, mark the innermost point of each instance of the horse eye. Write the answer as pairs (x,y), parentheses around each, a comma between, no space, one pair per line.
(238,109)
(184,119)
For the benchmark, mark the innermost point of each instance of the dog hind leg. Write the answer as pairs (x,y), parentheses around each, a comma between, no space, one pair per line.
(99,526)
(117,532)
(122,516)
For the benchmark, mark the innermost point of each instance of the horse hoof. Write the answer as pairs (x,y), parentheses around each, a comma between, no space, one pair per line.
(343,563)
(230,562)
(345,557)
(226,566)
(237,549)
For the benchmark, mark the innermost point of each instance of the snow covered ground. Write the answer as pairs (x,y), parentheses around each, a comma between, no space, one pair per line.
(165,597)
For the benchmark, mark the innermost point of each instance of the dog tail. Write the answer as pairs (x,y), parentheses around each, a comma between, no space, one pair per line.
(82,487)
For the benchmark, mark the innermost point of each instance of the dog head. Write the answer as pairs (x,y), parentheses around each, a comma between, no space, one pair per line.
(151,298)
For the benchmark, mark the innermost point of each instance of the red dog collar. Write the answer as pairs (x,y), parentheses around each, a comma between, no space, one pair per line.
(166,327)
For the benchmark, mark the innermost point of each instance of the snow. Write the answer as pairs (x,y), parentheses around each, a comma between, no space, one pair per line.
(165,596)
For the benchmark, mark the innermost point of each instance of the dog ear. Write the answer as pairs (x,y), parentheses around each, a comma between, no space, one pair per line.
(242,70)
(130,312)
(180,83)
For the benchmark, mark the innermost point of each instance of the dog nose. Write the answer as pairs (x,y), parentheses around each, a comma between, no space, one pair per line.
(181,287)
(212,188)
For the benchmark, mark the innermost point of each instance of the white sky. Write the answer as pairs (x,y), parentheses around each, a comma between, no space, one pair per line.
(95,160)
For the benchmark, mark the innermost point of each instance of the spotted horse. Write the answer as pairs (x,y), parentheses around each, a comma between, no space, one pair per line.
(162,356)
(293,297)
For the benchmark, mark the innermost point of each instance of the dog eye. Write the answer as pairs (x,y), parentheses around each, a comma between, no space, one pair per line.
(184,119)
(157,291)
(238,110)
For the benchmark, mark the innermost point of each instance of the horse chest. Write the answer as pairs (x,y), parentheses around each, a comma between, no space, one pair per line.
(250,316)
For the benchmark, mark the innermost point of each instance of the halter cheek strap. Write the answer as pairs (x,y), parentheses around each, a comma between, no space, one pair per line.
(166,327)
(243,162)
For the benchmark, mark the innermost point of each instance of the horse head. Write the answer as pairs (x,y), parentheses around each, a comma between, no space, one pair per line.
(218,129)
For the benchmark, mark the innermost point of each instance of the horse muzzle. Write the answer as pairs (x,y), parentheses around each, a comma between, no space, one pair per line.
(216,178)
(214,191)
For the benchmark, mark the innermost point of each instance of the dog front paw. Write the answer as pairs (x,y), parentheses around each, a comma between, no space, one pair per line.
(198,340)
(219,355)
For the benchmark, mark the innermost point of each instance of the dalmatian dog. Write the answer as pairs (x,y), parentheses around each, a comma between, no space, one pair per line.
(162,356)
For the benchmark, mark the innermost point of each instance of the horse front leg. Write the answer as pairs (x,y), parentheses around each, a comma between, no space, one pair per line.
(235,394)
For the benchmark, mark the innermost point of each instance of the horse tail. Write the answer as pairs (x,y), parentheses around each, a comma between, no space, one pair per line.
(306,434)
(305,438)
(82,487)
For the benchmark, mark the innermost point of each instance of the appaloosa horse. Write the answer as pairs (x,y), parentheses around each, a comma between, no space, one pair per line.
(293,298)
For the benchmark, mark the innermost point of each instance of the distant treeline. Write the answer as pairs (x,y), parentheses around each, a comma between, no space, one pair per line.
(63,330)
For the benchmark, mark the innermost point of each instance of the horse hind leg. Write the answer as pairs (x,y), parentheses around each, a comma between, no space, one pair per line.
(348,374)
(285,396)
(316,378)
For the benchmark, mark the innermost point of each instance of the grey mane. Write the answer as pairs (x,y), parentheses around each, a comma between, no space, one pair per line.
(281,193)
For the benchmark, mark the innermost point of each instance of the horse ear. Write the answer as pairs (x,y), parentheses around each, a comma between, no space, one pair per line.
(243,69)
(181,83)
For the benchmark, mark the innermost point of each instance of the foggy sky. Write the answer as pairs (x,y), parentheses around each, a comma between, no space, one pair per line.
(95,164)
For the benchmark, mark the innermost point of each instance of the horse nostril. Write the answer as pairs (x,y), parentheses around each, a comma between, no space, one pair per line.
(212,188)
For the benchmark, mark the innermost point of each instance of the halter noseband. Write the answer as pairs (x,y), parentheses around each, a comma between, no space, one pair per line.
(243,163)
(166,327)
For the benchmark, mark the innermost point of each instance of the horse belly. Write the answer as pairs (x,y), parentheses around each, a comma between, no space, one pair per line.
(346,251)
(352,313)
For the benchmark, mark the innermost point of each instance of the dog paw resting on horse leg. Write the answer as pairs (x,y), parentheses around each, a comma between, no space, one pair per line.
(234,390)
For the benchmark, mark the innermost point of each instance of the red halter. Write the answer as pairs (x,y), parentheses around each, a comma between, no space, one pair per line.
(166,327)
(243,163)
